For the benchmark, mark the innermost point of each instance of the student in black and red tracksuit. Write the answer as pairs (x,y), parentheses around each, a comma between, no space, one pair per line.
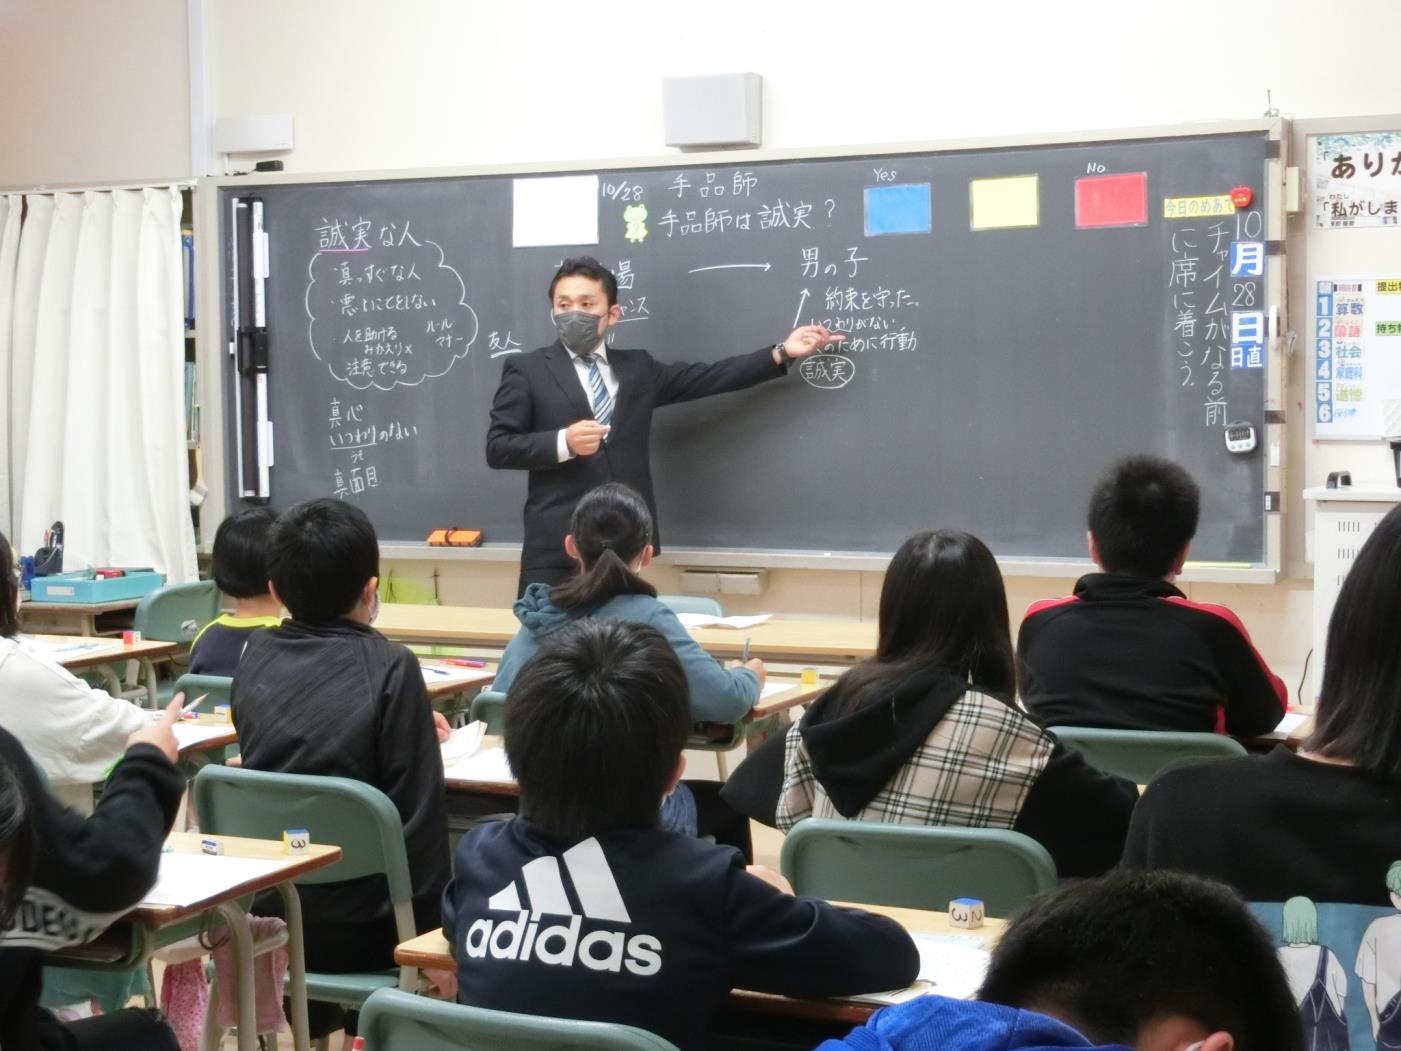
(1128,650)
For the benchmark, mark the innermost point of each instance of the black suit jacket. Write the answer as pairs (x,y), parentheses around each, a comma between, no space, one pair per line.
(540,393)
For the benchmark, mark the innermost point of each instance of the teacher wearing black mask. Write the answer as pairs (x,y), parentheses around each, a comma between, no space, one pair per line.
(578,413)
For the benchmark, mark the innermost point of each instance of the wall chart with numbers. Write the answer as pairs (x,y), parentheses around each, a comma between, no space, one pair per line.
(1356,353)
(1018,317)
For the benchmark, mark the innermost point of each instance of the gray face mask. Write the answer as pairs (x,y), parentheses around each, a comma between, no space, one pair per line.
(578,330)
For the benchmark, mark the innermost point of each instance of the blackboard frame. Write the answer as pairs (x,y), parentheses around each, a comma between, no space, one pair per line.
(211,339)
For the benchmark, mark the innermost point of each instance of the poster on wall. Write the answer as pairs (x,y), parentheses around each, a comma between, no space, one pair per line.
(1356,180)
(1356,353)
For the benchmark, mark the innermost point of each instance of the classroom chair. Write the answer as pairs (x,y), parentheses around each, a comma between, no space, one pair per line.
(358,818)
(692,604)
(1139,754)
(915,866)
(215,690)
(490,707)
(391,1020)
(174,613)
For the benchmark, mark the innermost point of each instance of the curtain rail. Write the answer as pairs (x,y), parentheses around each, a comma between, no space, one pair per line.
(160,184)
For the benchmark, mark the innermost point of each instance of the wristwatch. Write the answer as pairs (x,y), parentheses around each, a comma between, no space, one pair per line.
(784,358)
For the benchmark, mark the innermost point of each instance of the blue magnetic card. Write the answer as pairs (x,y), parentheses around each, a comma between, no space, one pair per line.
(902,209)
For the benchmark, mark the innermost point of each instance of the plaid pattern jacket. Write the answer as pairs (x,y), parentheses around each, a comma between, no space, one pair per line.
(973,770)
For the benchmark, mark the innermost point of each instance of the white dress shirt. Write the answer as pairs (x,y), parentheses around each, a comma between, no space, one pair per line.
(581,369)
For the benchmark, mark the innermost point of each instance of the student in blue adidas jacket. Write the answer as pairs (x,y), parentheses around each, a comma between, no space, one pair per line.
(582,907)
(1131,961)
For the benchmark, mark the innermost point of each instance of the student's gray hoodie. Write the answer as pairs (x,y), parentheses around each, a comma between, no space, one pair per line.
(717,695)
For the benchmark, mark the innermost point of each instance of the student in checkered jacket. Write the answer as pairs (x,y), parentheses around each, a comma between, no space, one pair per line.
(927,732)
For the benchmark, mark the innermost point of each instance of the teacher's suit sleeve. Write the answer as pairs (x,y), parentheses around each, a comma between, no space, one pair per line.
(680,381)
(510,441)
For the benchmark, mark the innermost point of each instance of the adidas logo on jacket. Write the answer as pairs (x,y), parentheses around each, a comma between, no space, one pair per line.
(648,928)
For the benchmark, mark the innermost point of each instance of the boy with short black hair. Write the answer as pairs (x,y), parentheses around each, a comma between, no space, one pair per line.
(1158,961)
(240,569)
(326,694)
(582,907)
(1128,650)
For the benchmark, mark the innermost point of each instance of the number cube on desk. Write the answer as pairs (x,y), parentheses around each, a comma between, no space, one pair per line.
(966,913)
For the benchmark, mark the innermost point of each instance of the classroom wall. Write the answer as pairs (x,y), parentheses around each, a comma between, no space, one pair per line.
(443,82)
(93,92)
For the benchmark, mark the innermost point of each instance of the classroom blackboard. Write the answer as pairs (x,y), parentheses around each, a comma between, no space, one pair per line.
(1018,318)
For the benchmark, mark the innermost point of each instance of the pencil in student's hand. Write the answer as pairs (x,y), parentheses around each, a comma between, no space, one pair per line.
(744,655)
(192,705)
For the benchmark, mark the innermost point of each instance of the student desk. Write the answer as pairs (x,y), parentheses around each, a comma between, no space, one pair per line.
(793,641)
(77,653)
(203,733)
(130,942)
(459,780)
(431,952)
(78,618)
(445,680)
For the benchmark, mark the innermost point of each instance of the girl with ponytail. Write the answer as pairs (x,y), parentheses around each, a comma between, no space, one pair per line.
(610,540)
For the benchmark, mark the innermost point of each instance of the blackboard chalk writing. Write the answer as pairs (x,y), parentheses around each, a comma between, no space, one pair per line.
(814,267)
(625,275)
(801,301)
(884,174)
(497,344)
(827,371)
(782,214)
(621,191)
(864,299)
(396,317)
(633,309)
(715,184)
(711,221)
(831,207)
(368,435)
(731,266)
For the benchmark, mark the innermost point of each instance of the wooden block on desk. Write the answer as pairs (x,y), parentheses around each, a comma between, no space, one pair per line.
(966,913)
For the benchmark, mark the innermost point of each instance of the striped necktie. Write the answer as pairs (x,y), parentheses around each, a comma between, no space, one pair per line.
(602,403)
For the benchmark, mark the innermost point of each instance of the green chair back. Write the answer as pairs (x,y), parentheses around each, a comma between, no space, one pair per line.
(393,1020)
(1140,754)
(692,604)
(358,818)
(214,688)
(915,866)
(490,707)
(176,613)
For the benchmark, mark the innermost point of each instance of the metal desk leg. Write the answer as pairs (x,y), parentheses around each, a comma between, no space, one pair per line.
(296,966)
(148,672)
(243,960)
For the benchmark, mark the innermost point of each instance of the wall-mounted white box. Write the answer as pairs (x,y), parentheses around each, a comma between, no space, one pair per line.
(720,110)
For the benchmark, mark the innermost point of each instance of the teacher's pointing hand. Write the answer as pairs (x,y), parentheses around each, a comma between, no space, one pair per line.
(808,339)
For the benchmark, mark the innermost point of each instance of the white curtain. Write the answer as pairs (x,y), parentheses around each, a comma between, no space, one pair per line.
(96,391)
(11,209)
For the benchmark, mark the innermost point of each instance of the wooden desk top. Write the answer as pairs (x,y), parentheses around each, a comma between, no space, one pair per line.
(815,641)
(456,678)
(79,607)
(798,693)
(223,733)
(82,651)
(318,856)
(431,952)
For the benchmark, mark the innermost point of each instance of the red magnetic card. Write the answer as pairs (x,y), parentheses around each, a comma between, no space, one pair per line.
(1111,200)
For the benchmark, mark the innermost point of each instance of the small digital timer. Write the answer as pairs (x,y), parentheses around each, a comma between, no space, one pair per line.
(1240,437)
